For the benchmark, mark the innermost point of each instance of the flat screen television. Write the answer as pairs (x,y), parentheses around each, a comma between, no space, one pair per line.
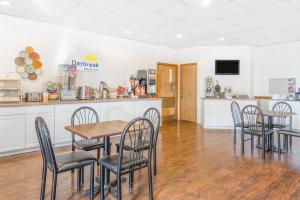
(227,67)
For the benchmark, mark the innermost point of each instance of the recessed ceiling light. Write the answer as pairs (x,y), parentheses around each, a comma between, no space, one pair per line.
(221,39)
(205,2)
(179,35)
(4,3)
(128,32)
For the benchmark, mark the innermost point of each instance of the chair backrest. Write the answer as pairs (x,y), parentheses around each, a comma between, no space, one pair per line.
(253,120)
(154,116)
(45,143)
(236,113)
(138,135)
(84,115)
(282,107)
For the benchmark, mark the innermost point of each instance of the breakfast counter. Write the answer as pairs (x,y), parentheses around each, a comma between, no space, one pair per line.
(216,112)
(17,119)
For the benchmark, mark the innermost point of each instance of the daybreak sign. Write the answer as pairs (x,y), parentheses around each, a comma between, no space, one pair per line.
(88,62)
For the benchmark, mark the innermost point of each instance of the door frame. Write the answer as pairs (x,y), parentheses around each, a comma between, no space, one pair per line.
(177,80)
(179,90)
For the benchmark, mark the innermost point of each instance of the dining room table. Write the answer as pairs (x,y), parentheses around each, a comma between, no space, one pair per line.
(271,115)
(100,130)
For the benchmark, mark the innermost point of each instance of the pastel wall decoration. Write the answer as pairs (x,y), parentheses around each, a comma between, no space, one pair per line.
(28,64)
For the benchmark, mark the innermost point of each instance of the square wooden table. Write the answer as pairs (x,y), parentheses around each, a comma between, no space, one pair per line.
(100,130)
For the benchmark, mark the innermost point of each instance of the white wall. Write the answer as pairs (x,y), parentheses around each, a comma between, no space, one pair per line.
(205,58)
(120,57)
(276,61)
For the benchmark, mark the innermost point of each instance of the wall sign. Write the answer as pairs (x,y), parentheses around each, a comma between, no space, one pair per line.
(88,62)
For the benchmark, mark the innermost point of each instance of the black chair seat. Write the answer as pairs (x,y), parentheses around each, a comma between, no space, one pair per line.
(71,160)
(128,148)
(88,145)
(111,162)
(258,132)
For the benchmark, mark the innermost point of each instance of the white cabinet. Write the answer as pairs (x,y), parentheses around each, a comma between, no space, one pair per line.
(217,112)
(141,106)
(12,132)
(123,110)
(47,113)
(31,136)
(63,114)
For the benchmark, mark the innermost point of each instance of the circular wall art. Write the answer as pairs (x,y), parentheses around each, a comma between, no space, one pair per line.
(28,64)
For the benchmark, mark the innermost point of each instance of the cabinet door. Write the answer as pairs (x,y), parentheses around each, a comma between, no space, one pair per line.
(141,106)
(12,133)
(62,136)
(31,137)
(117,111)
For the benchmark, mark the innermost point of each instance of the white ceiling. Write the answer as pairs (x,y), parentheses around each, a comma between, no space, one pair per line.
(159,22)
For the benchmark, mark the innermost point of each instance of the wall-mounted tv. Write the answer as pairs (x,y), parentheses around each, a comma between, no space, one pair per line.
(227,67)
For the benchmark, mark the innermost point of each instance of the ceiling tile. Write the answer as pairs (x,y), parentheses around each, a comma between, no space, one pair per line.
(17,8)
(197,3)
(295,3)
(48,11)
(158,19)
(155,5)
(252,4)
(247,21)
(274,9)
(103,5)
(179,11)
(225,10)
(285,21)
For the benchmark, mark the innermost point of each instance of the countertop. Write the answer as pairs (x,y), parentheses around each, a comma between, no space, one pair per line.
(58,102)
(224,99)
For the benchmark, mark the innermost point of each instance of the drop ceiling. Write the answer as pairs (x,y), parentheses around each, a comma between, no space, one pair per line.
(172,23)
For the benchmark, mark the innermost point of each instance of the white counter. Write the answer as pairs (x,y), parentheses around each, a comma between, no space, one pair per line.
(216,113)
(17,122)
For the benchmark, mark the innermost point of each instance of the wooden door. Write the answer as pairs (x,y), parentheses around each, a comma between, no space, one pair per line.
(188,92)
(167,89)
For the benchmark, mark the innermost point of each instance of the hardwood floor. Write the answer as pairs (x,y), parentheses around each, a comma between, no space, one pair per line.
(192,164)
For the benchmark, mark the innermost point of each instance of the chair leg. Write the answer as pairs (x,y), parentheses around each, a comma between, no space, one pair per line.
(82,175)
(234,136)
(242,144)
(119,185)
(150,182)
(43,186)
(73,149)
(102,178)
(264,148)
(278,144)
(291,140)
(252,143)
(92,182)
(154,161)
(54,184)
(79,178)
(272,143)
(131,177)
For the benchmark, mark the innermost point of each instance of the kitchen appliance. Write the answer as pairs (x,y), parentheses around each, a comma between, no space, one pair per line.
(145,82)
(227,67)
(10,89)
(85,92)
(67,83)
(34,97)
(103,89)
(151,82)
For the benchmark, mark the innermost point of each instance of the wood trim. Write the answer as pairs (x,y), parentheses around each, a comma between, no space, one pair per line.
(167,64)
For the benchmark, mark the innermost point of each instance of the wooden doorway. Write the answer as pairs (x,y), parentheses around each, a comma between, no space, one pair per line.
(188,92)
(167,89)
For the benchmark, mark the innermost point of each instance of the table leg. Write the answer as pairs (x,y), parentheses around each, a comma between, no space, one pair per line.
(107,152)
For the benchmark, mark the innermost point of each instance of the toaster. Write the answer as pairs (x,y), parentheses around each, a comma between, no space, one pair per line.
(33,97)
